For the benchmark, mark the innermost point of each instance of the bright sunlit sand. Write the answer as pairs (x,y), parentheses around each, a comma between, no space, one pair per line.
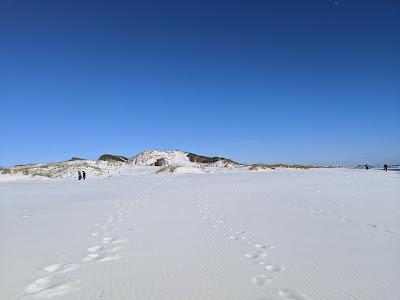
(278,234)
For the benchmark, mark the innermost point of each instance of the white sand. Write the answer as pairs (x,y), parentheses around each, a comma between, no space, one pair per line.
(283,234)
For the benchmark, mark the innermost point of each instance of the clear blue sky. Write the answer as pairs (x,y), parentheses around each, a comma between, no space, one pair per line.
(273,81)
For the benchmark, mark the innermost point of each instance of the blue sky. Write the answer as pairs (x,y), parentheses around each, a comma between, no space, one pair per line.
(268,81)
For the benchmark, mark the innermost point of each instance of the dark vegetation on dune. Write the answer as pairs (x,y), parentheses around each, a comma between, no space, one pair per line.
(76,158)
(160,162)
(207,160)
(109,157)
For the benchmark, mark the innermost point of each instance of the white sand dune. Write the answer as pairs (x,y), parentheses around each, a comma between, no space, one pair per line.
(283,234)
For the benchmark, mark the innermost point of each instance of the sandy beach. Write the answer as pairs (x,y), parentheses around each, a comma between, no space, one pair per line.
(281,234)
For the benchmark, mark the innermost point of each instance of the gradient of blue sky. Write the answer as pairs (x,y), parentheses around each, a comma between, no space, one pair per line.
(273,81)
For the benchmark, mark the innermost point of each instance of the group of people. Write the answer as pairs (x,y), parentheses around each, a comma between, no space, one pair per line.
(81,175)
(385,167)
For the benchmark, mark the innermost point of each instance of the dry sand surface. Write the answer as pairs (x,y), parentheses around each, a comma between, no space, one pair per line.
(283,234)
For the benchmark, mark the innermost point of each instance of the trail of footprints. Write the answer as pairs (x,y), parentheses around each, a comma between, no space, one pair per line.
(317,211)
(57,280)
(265,271)
(107,250)
(320,212)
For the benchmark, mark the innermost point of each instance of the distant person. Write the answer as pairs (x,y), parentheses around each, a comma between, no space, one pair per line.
(385,167)
(79,175)
(84,175)
(366,166)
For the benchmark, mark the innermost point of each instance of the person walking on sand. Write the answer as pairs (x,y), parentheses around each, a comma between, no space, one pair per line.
(79,175)
(385,167)
(84,175)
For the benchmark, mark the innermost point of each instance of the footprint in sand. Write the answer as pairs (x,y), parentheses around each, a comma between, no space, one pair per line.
(95,249)
(261,246)
(345,220)
(54,284)
(61,268)
(109,257)
(372,226)
(48,287)
(273,268)
(107,239)
(238,236)
(261,279)
(92,257)
(119,241)
(96,252)
(218,225)
(53,268)
(256,254)
(292,295)
(99,257)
